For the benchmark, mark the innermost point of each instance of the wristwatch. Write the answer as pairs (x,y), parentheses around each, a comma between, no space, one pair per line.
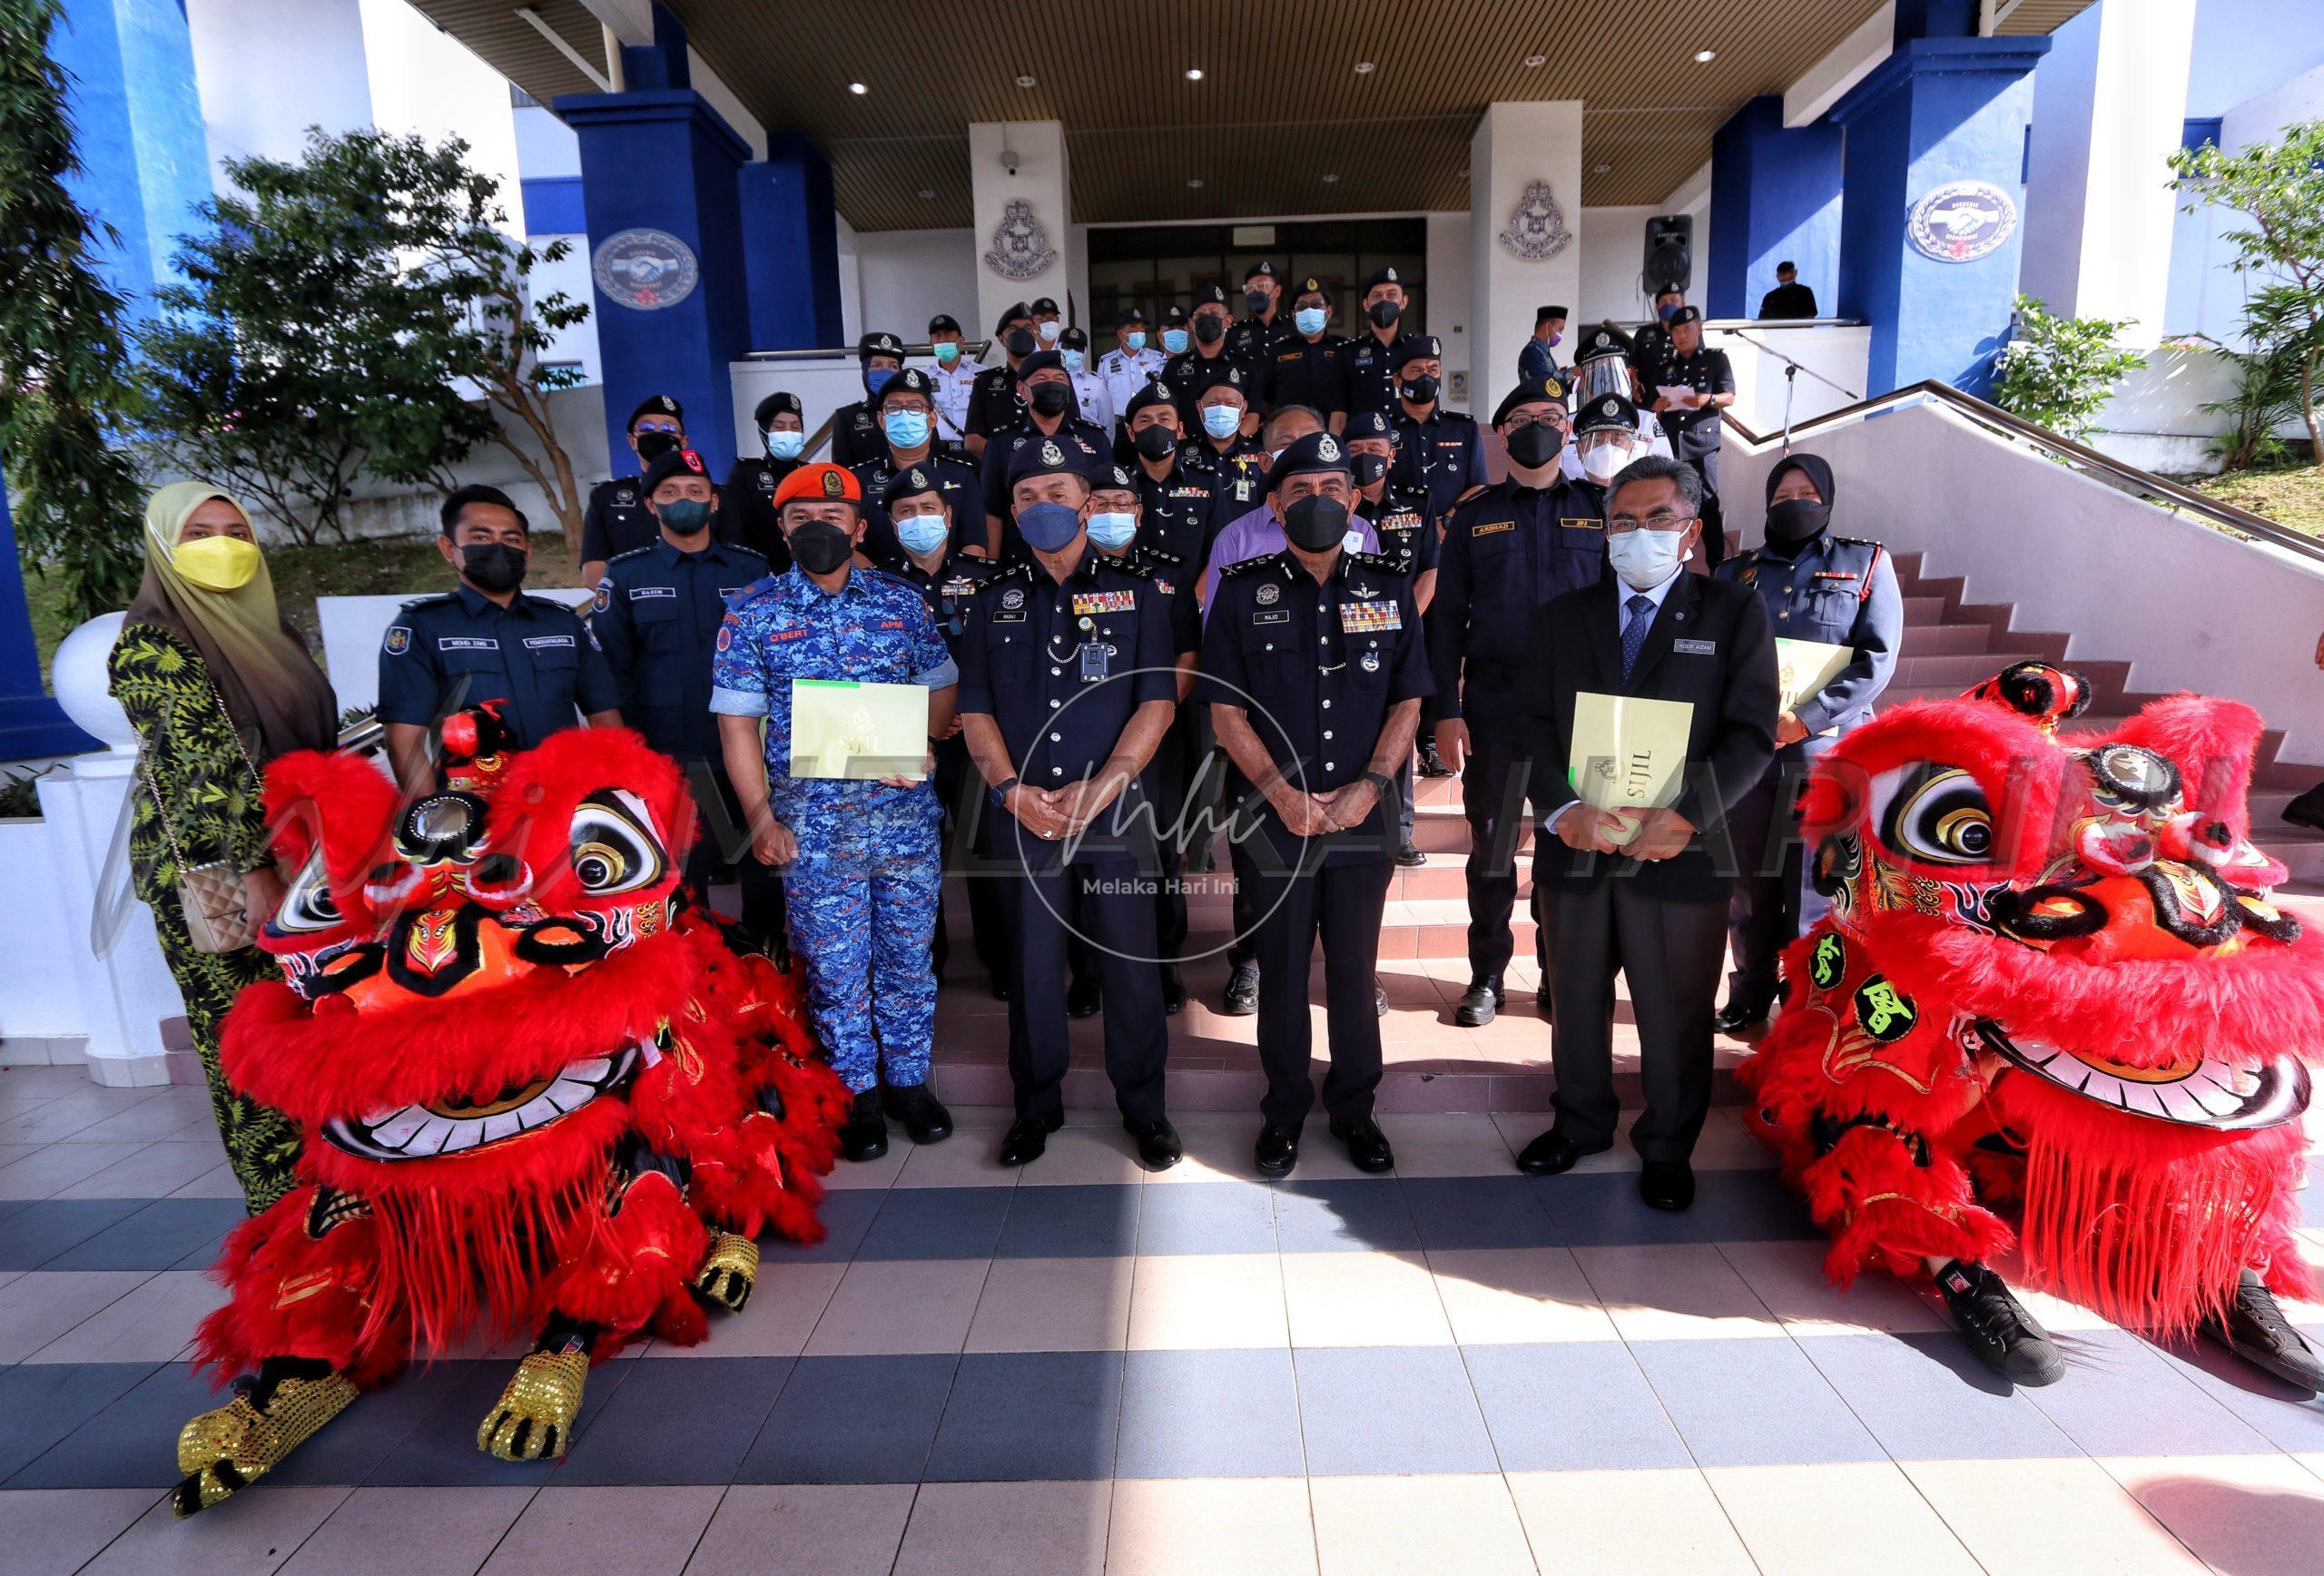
(999,791)
(1381,782)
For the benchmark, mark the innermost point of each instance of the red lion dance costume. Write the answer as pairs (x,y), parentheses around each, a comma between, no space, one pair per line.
(534,1095)
(2050,983)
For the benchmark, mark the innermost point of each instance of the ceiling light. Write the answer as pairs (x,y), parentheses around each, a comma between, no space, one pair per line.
(1194,74)
(1195,184)
(1535,62)
(857,88)
(1363,68)
(1329,179)
(1600,169)
(927,196)
(1024,82)
(1705,56)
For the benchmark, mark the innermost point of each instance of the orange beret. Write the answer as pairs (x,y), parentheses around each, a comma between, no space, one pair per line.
(820,481)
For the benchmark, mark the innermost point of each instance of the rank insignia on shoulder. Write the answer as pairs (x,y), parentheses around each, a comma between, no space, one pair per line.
(1243,566)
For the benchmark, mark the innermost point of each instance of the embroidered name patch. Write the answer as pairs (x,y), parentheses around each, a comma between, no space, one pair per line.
(1695,648)
(1360,617)
(465,643)
(1490,527)
(640,593)
(1104,602)
(1275,615)
(1581,523)
(547,641)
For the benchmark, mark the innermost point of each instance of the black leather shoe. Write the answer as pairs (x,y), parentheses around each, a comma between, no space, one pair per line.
(1174,991)
(1666,1185)
(1367,1146)
(1379,998)
(863,1136)
(1084,999)
(1482,998)
(921,1113)
(1027,1138)
(1000,989)
(1158,1142)
(1554,1152)
(2254,1328)
(1996,1326)
(1242,992)
(1432,765)
(1277,1150)
(1410,856)
(1739,1017)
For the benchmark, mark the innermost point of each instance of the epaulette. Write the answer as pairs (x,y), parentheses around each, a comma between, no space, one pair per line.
(631,553)
(1858,542)
(1387,563)
(742,548)
(425,601)
(1124,566)
(1472,492)
(1243,566)
(535,597)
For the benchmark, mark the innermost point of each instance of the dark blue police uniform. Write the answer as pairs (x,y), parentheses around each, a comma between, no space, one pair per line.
(1372,372)
(955,477)
(535,655)
(1441,453)
(1177,515)
(616,520)
(993,483)
(1535,362)
(747,509)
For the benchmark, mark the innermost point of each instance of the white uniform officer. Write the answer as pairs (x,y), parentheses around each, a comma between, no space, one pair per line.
(1090,389)
(1132,365)
(953,372)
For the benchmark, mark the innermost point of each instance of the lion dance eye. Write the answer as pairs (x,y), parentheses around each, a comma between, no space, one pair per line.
(612,849)
(308,904)
(1940,815)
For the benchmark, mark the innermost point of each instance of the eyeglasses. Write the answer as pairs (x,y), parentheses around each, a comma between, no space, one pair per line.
(1660,520)
(1517,420)
(672,429)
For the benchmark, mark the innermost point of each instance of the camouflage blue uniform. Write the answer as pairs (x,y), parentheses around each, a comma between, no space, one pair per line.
(863,889)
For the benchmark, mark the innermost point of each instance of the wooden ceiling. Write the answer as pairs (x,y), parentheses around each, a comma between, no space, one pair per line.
(1279,107)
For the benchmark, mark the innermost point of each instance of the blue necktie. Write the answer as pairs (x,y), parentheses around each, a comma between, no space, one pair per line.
(1642,609)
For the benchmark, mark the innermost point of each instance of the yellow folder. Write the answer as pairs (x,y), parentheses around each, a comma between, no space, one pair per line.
(1629,753)
(1804,666)
(858,730)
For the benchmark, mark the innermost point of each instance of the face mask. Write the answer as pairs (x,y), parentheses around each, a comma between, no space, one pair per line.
(1047,526)
(1048,399)
(1221,421)
(1556,339)
(1383,314)
(1419,391)
(216,563)
(1156,443)
(684,516)
(1256,299)
(1076,361)
(785,445)
(923,533)
(947,352)
(1644,559)
(1134,340)
(1797,520)
(876,379)
(1370,468)
(1020,343)
(1209,329)
(1603,463)
(493,566)
(1535,446)
(1310,320)
(651,444)
(820,547)
(1050,330)
(1175,340)
(905,428)
(1113,529)
(1315,524)
(1667,311)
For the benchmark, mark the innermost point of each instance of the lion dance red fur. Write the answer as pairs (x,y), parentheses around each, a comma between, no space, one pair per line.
(539,1097)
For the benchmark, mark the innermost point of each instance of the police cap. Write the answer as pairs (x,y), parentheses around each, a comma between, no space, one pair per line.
(1044,304)
(1369,424)
(1262,269)
(1418,348)
(1131,317)
(1527,391)
(1011,314)
(944,323)
(820,481)
(1390,274)
(1313,286)
(910,381)
(1210,295)
(1112,478)
(1600,342)
(908,482)
(880,344)
(1686,315)
(677,462)
(778,403)
(657,405)
(1605,413)
(1173,317)
(1073,340)
(1318,451)
(1062,455)
(1156,392)
(1039,361)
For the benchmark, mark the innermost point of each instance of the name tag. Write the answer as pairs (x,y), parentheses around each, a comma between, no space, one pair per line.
(641,592)
(465,643)
(1271,615)
(547,641)
(1490,527)
(1581,523)
(1695,648)
(1104,602)
(1360,617)
(1006,616)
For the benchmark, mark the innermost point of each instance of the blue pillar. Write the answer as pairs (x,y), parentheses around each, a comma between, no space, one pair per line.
(1775,195)
(1934,183)
(791,246)
(32,724)
(659,193)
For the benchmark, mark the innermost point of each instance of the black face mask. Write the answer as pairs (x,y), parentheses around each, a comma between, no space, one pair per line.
(1383,314)
(820,547)
(1019,343)
(1315,524)
(1157,443)
(1797,520)
(1419,391)
(1256,299)
(1535,446)
(494,566)
(1369,468)
(1209,329)
(1048,399)
(653,445)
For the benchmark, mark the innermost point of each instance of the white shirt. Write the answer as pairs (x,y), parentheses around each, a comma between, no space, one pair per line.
(1126,373)
(953,389)
(1097,402)
(1623,592)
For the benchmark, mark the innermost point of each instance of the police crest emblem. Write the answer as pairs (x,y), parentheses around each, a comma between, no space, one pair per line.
(399,640)
(1052,454)
(1961,220)
(1326,448)
(1020,247)
(1537,230)
(1012,599)
(1268,595)
(834,486)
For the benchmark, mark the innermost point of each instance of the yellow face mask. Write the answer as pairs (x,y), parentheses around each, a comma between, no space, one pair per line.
(217,563)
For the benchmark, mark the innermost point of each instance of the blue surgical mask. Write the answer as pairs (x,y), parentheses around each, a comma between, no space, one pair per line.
(1175,340)
(1135,340)
(1644,559)
(905,428)
(876,379)
(1075,361)
(1667,311)
(947,351)
(1050,331)
(923,533)
(1113,529)
(1310,320)
(785,445)
(1047,526)
(1221,420)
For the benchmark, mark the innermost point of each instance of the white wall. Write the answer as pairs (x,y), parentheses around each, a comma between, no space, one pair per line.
(1826,356)
(908,276)
(269,69)
(1514,145)
(1613,248)
(1044,178)
(1449,309)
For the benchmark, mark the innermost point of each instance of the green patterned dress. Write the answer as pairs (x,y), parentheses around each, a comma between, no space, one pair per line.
(194,761)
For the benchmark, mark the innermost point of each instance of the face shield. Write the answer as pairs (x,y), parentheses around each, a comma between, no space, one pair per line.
(1605,375)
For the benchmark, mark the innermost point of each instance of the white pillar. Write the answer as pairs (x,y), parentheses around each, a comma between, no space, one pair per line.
(1040,181)
(2110,107)
(1518,147)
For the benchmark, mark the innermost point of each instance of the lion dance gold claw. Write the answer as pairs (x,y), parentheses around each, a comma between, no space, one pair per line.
(729,1270)
(534,1420)
(232,1446)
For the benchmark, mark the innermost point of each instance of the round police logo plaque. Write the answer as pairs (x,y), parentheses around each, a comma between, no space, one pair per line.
(644,269)
(1961,220)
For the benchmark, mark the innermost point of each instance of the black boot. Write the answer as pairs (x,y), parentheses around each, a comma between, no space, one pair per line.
(864,1135)
(921,1113)
(1996,1326)
(2254,1328)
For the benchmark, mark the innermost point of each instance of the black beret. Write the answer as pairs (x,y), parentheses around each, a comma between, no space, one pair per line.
(908,482)
(1605,413)
(1156,392)
(910,381)
(944,323)
(1686,315)
(1370,424)
(1602,341)
(1418,348)
(1210,295)
(1130,315)
(1547,314)
(1530,390)
(1039,361)
(1043,304)
(778,404)
(677,462)
(1260,270)
(1073,340)
(1388,275)
(657,405)
(1316,451)
(1063,455)
(880,344)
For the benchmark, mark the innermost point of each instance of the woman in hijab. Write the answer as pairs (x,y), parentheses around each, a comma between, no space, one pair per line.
(217,685)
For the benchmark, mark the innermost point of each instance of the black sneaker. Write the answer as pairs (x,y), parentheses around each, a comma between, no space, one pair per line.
(1242,992)
(863,1136)
(2254,1328)
(1997,1327)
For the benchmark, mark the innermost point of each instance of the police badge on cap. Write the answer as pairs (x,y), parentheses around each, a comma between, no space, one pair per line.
(1325,448)
(1052,454)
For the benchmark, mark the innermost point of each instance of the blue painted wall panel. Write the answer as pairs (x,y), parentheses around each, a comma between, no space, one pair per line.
(792,255)
(553,206)
(1775,195)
